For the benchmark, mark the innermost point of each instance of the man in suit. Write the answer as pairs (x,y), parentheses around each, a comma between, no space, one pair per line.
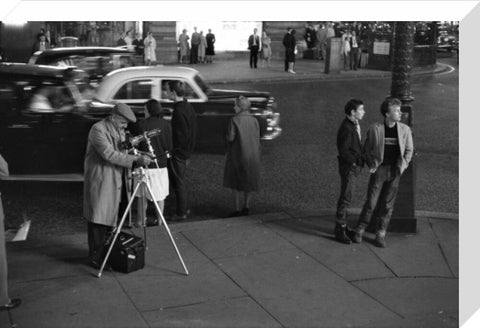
(388,151)
(350,162)
(253,46)
(289,43)
(41,44)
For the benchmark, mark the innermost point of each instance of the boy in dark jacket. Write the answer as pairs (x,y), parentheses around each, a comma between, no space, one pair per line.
(349,163)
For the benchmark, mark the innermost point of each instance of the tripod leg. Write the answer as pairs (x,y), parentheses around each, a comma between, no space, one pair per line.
(117,230)
(167,228)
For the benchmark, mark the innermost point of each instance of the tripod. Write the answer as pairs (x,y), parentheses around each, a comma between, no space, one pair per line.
(142,183)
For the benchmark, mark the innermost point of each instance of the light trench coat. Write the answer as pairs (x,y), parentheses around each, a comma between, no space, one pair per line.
(104,164)
(150,46)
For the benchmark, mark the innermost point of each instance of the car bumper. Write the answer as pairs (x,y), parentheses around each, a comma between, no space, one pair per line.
(273,127)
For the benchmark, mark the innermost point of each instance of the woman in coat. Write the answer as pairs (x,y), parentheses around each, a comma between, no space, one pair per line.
(156,174)
(242,165)
(184,46)
(150,46)
(201,48)
(266,49)
(210,51)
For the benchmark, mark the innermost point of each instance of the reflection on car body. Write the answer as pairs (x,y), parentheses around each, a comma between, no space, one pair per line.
(46,112)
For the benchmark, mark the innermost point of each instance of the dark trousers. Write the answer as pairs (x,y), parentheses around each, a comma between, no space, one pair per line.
(382,190)
(178,168)
(98,235)
(289,57)
(354,58)
(347,178)
(253,56)
(194,54)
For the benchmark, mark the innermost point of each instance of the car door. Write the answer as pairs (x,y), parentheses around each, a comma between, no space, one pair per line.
(136,92)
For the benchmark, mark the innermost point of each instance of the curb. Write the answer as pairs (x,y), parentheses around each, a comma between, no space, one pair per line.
(371,74)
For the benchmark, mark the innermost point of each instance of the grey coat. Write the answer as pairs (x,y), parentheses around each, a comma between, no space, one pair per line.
(242,164)
(103,168)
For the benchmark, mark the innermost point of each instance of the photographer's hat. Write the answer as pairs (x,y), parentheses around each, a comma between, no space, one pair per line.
(124,110)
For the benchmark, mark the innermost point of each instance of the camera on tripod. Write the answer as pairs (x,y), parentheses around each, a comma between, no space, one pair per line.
(131,143)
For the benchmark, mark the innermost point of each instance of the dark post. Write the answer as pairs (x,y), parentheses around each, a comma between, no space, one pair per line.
(403,218)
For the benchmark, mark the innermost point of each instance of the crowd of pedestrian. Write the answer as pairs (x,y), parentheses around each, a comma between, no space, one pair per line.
(200,49)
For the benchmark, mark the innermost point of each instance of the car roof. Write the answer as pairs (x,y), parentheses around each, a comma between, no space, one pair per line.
(123,74)
(33,70)
(43,57)
(84,50)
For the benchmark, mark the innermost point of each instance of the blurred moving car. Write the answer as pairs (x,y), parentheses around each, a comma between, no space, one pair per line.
(446,40)
(42,121)
(46,112)
(96,61)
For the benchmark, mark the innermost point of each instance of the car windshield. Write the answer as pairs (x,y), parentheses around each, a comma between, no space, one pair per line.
(202,84)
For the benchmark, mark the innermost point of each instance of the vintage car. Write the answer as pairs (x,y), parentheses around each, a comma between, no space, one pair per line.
(46,112)
(214,107)
(42,121)
(96,61)
(446,41)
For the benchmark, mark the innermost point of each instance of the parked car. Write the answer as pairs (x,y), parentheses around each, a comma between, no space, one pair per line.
(214,107)
(446,40)
(48,142)
(96,61)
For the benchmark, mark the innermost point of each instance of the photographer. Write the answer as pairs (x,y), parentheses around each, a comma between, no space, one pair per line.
(157,176)
(105,161)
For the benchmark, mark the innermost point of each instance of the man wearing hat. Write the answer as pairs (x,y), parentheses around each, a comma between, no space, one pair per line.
(105,160)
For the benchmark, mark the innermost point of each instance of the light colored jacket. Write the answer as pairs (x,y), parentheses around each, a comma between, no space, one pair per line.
(103,167)
(375,143)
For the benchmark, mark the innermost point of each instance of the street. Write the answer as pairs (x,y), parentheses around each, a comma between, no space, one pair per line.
(299,169)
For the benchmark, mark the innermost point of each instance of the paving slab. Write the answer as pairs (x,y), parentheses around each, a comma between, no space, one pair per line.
(163,284)
(195,225)
(314,236)
(73,302)
(415,296)
(448,237)
(413,255)
(299,292)
(33,264)
(236,240)
(237,312)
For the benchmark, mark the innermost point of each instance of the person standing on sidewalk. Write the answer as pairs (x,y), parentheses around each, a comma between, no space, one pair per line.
(242,163)
(289,43)
(210,51)
(253,46)
(150,45)
(184,127)
(6,302)
(105,161)
(195,43)
(350,163)
(388,151)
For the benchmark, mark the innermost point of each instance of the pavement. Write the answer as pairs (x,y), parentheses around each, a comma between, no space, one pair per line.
(238,70)
(281,269)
